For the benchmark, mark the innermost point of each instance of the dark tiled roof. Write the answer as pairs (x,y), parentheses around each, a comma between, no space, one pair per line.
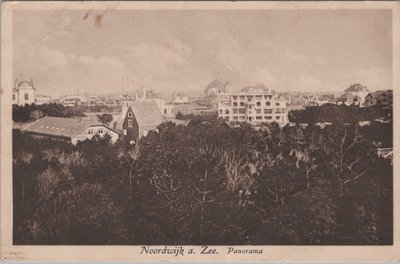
(61,127)
(146,113)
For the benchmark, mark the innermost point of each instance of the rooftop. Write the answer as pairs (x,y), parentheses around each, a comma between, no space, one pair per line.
(61,127)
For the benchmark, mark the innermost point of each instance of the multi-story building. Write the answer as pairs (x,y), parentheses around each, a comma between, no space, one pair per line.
(254,104)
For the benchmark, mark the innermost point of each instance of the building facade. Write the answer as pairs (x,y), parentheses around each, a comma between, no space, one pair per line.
(23,93)
(138,119)
(254,104)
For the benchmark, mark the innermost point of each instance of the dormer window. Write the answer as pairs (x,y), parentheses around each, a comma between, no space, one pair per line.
(130,114)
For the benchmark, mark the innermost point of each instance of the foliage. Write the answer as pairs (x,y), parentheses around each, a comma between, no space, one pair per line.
(207,183)
(33,112)
(339,114)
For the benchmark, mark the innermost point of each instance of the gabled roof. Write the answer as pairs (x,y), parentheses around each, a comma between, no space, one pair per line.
(61,127)
(146,113)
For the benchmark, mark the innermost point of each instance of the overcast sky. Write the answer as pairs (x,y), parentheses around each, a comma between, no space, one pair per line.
(286,50)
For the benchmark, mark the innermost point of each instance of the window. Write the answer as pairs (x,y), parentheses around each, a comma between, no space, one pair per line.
(26,96)
(258,111)
(234,103)
(241,104)
(220,111)
(258,103)
(165,111)
(13,96)
(130,114)
(267,103)
(267,111)
(235,118)
(268,117)
(242,111)
(227,112)
(227,118)
(125,133)
(101,131)
(235,111)
(250,106)
(234,97)
(249,99)
(277,104)
(258,117)
(90,131)
(130,123)
(278,117)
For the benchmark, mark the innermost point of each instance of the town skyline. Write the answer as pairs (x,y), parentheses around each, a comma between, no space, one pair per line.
(287,51)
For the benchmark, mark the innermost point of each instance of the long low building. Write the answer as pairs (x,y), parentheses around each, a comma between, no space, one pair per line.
(70,129)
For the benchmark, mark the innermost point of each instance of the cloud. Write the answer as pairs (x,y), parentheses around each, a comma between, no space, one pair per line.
(47,59)
(375,77)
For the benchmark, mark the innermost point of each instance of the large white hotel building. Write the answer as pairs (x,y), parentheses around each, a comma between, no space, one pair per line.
(253,104)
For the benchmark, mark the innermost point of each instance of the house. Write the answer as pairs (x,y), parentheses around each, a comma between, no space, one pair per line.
(138,119)
(69,129)
(354,95)
(348,99)
(382,98)
(254,104)
(23,93)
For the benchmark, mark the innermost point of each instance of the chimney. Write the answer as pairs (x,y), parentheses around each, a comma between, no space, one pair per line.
(16,82)
(144,93)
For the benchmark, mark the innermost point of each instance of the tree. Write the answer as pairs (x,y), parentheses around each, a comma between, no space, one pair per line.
(105,118)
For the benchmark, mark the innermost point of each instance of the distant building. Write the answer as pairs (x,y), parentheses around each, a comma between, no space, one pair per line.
(382,98)
(23,93)
(138,118)
(217,91)
(179,98)
(254,104)
(354,95)
(348,99)
(69,129)
(42,99)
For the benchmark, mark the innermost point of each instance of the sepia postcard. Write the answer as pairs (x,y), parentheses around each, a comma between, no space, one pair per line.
(200,131)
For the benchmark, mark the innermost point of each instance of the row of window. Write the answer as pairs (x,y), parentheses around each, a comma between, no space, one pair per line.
(250,118)
(26,96)
(258,111)
(267,103)
(250,97)
(92,131)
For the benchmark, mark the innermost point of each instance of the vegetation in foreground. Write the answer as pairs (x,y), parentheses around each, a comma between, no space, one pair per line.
(207,183)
